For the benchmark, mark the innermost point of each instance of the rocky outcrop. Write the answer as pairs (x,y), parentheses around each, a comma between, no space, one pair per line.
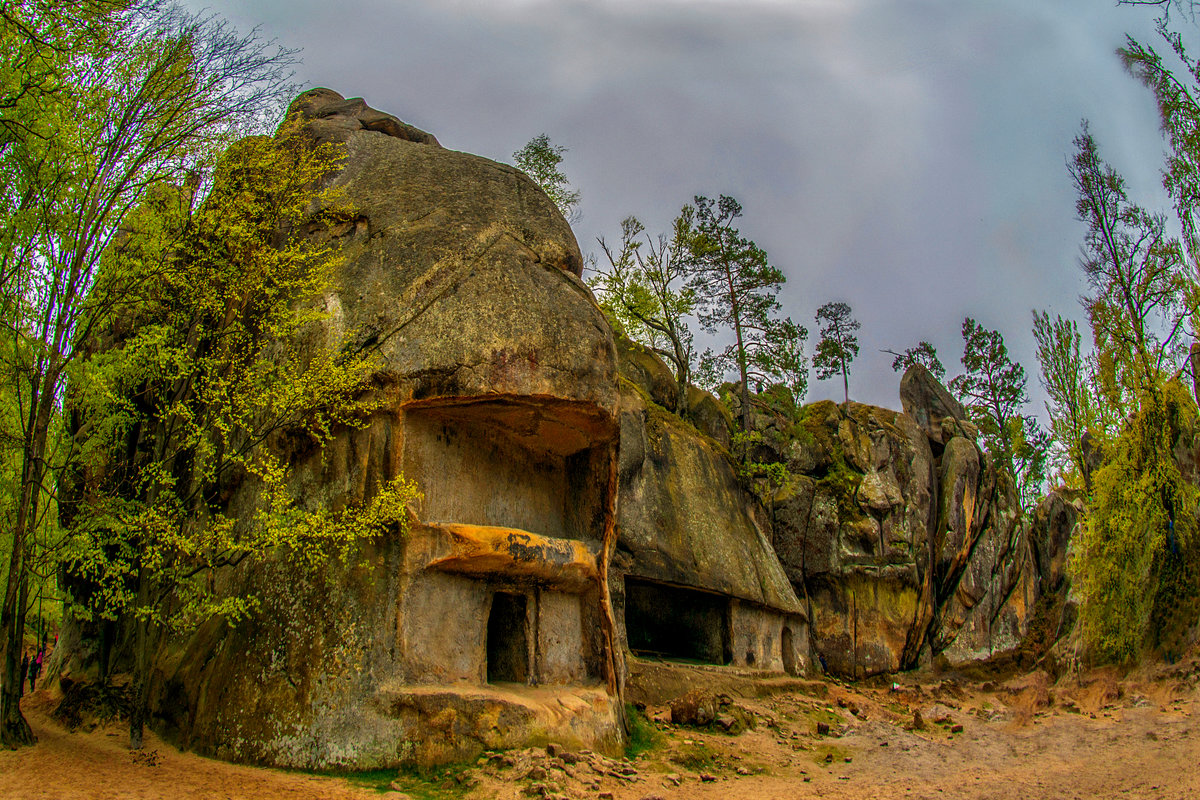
(496,378)
(1050,625)
(566,516)
(694,574)
(933,408)
(899,534)
(852,529)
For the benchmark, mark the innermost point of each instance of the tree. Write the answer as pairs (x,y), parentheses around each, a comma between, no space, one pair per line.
(1136,564)
(1140,294)
(38,38)
(838,346)
(154,93)
(216,368)
(1068,380)
(643,292)
(993,388)
(539,160)
(735,288)
(924,354)
(1187,7)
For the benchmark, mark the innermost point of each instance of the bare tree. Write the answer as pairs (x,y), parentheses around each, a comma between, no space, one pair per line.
(644,291)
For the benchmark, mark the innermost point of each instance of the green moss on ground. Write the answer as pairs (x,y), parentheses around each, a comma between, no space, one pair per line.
(420,783)
(643,736)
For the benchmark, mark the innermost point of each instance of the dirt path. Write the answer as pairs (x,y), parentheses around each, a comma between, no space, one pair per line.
(99,766)
(1099,736)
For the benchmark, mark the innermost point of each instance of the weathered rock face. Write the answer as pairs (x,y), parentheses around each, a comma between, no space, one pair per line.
(853,529)
(899,534)
(694,574)
(497,373)
(933,408)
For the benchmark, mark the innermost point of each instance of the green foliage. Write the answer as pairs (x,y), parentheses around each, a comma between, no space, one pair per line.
(1141,293)
(444,782)
(1136,567)
(215,372)
(100,103)
(643,736)
(1068,378)
(838,346)
(764,477)
(642,293)
(1179,109)
(697,757)
(841,479)
(993,389)
(924,354)
(540,160)
(1139,543)
(736,289)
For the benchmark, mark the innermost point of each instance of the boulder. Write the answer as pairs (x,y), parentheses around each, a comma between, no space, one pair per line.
(1055,521)
(934,409)
(694,574)
(329,117)
(900,535)
(852,529)
(496,378)
(683,516)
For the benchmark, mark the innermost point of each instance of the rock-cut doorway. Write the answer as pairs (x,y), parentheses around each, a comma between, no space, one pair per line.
(507,639)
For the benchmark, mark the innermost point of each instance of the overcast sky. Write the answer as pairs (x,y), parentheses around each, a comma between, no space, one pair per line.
(905,156)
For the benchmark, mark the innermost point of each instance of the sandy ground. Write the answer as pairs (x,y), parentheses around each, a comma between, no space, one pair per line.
(99,765)
(1095,735)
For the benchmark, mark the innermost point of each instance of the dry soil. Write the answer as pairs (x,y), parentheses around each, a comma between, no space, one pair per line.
(1099,734)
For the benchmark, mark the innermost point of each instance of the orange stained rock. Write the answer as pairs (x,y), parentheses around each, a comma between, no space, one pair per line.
(487,549)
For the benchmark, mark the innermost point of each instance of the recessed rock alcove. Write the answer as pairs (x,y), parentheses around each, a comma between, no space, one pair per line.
(676,622)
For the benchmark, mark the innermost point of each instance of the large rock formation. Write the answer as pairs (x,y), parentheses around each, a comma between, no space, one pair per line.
(566,516)
(497,376)
(694,574)
(899,534)
(852,529)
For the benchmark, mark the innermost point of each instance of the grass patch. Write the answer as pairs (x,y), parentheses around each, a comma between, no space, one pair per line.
(829,754)
(420,783)
(821,714)
(695,757)
(643,736)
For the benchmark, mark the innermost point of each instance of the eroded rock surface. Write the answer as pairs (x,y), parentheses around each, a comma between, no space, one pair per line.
(694,574)
(487,625)
(898,533)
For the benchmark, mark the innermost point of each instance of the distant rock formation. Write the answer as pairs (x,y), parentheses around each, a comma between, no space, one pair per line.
(899,534)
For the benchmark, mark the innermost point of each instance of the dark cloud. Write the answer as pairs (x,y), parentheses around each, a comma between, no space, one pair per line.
(905,156)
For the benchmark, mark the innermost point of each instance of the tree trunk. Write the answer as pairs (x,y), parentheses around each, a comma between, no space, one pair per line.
(682,378)
(741,350)
(14,730)
(1194,363)
(141,663)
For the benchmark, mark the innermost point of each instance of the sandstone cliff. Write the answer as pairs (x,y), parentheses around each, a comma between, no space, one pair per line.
(694,574)
(497,377)
(898,533)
